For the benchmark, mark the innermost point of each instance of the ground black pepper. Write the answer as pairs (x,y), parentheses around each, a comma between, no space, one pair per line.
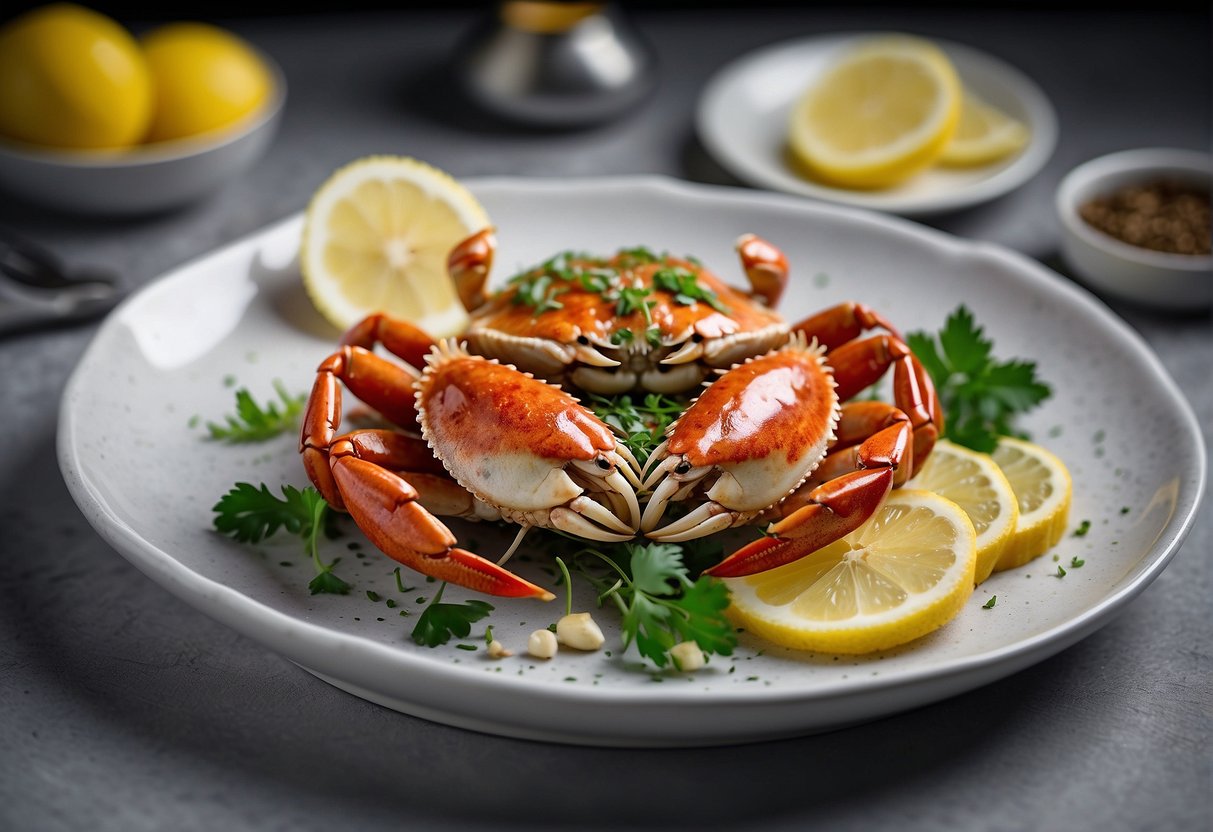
(1162,216)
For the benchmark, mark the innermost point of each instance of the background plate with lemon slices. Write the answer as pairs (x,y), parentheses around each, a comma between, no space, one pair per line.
(242,315)
(744,112)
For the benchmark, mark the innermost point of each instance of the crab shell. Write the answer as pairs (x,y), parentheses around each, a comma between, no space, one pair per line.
(586,342)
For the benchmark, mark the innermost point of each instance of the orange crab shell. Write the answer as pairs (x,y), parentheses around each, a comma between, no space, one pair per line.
(587,313)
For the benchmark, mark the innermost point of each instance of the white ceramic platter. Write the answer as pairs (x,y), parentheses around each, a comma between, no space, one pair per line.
(744,110)
(134,456)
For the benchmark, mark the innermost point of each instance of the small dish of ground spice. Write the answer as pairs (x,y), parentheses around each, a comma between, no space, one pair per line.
(1137,225)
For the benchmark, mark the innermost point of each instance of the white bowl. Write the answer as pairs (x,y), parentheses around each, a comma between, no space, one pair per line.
(141,180)
(1151,278)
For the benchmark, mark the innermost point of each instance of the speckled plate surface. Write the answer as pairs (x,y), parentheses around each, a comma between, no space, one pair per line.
(743,115)
(133,453)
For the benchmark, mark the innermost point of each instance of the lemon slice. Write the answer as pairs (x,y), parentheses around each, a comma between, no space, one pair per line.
(901,575)
(881,113)
(376,239)
(975,483)
(985,134)
(1042,486)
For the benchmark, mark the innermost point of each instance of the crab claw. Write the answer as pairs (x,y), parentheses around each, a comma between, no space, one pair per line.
(765,267)
(835,509)
(526,448)
(385,507)
(749,440)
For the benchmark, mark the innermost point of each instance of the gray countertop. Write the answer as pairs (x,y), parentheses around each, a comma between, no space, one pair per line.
(121,708)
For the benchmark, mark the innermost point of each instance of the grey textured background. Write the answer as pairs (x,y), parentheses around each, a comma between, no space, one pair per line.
(123,709)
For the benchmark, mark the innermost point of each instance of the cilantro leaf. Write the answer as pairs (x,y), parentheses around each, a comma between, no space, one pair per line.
(980,395)
(254,423)
(440,622)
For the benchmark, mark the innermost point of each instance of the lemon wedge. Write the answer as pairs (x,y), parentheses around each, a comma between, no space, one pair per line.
(974,482)
(882,112)
(984,134)
(376,239)
(901,575)
(1043,488)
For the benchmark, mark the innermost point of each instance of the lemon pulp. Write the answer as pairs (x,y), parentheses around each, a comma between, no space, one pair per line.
(1044,491)
(901,575)
(974,482)
(377,236)
(881,113)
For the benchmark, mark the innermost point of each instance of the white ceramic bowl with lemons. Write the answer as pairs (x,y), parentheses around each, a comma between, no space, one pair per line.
(1151,278)
(143,179)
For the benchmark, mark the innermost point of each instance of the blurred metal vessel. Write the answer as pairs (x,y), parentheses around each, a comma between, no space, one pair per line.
(556,64)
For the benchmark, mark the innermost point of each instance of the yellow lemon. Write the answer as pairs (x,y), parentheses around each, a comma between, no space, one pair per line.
(376,238)
(903,574)
(72,78)
(882,112)
(975,483)
(204,79)
(985,134)
(1044,490)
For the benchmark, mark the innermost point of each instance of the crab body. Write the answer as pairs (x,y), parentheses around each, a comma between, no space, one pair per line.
(487,430)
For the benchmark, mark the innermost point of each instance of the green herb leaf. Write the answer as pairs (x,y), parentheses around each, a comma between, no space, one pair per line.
(989,605)
(1083,528)
(440,622)
(326,581)
(980,395)
(254,423)
(250,514)
(1076,563)
(685,286)
(659,603)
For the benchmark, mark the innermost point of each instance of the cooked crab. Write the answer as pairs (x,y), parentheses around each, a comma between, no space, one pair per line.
(772,437)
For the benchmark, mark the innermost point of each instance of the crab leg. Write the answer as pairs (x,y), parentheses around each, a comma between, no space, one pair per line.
(765,267)
(469,264)
(399,337)
(858,364)
(835,326)
(385,507)
(833,510)
(860,421)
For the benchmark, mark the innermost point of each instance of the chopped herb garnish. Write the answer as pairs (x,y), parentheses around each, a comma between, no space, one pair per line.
(254,423)
(1124,509)
(1076,562)
(642,422)
(1083,528)
(1061,573)
(980,396)
(989,605)
(685,287)
(372,595)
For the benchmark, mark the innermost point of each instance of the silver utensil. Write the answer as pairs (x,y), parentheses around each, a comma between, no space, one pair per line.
(37,290)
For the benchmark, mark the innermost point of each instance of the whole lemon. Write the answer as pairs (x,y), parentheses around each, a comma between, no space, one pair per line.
(204,78)
(72,78)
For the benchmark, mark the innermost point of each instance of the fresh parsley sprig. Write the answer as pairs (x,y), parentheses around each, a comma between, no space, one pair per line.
(251,514)
(659,603)
(254,423)
(440,622)
(979,394)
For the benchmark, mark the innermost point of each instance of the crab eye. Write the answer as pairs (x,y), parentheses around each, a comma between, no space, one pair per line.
(697,338)
(682,467)
(604,465)
(581,339)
